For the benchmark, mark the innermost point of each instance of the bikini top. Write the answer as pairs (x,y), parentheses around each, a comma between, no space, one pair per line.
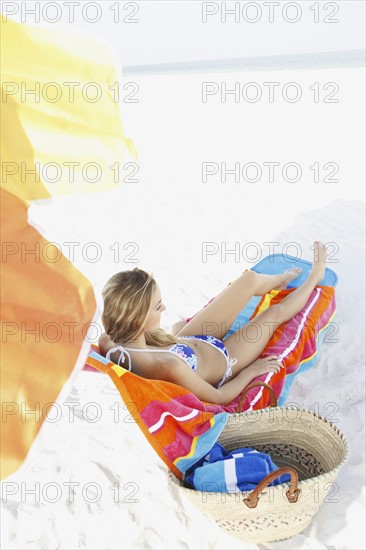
(182,350)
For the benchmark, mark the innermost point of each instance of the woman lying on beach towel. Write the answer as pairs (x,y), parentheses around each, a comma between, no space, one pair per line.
(195,357)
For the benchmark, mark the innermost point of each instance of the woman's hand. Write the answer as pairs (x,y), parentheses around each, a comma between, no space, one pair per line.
(231,389)
(272,363)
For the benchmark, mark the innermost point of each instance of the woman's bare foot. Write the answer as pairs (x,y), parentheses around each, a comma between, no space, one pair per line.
(318,268)
(289,276)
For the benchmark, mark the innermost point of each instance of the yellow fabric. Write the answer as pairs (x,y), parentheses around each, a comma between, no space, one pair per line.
(73,70)
(46,306)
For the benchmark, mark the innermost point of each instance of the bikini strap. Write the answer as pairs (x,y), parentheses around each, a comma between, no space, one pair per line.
(228,371)
(231,363)
(122,355)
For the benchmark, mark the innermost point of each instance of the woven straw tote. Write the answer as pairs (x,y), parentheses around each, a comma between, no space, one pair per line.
(301,443)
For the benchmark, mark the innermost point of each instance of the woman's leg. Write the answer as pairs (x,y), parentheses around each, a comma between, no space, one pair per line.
(217,317)
(248,343)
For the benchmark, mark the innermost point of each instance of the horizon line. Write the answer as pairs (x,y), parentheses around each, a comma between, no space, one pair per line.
(312,60)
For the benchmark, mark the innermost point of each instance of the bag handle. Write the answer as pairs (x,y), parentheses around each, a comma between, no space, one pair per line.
(292,493)
(273,398)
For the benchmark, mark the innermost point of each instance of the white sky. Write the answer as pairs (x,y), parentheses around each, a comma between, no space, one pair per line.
(173,31)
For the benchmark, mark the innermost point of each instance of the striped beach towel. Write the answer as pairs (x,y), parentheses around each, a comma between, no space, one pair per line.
(181,428)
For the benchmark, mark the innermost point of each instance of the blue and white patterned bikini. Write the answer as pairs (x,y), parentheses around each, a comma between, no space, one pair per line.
(184,352)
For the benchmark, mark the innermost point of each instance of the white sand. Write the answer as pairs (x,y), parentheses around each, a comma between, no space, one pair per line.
(169,214)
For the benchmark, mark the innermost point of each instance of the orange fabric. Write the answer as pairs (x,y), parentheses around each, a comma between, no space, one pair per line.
(56,302)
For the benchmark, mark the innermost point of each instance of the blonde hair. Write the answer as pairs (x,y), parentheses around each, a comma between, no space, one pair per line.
(127,300)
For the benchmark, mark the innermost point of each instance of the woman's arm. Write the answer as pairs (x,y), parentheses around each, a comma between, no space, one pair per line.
(231,389)
(179,374)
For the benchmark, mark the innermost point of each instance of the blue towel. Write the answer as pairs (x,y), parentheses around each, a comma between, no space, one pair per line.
(239,470)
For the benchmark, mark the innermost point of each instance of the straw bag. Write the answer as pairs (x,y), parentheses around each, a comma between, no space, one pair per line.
(301,443)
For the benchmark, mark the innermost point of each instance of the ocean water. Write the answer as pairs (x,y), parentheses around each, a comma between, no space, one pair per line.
(287,62)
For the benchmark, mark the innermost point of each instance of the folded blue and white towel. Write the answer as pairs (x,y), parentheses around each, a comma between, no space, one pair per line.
(239,470)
